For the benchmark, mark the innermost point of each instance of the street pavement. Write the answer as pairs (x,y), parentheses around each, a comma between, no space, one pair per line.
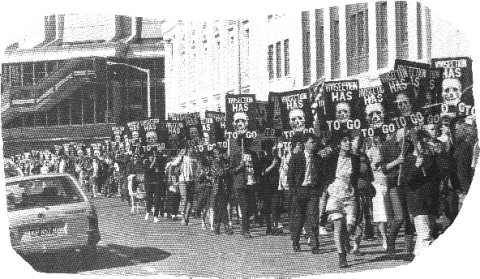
(132,246)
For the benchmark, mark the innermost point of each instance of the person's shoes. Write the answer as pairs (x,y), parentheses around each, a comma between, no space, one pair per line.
(342,260)
(147,215)
(296,247)
(391,247)
(217,230)
(259,219)
(247,235)
(155,219)
(409,244)
(322,231)
(356,252)
(369,238)
(348,247)
(132,211)
(204,226)
(315,250)
(269,232)
(384,244)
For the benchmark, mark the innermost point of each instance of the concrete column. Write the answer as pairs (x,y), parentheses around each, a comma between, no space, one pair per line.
(342,40)
(391,30)
(372,36)
(424,35)
(412,30)
(327,48)
(313,47)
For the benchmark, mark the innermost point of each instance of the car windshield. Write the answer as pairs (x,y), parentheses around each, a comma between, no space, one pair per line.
(41,192)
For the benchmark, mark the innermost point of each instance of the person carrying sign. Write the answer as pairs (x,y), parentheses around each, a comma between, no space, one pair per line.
(245,172)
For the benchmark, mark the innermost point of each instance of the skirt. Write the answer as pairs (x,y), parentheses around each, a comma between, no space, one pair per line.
(380,203)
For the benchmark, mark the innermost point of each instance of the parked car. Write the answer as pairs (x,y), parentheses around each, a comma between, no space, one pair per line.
(49,214)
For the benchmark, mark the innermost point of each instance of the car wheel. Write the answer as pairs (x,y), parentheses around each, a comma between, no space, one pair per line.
(89,257)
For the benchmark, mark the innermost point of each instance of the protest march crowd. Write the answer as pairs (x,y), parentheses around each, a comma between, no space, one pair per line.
(366,161)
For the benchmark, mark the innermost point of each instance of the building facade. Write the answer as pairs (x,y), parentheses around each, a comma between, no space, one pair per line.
(281,52)
(84,72)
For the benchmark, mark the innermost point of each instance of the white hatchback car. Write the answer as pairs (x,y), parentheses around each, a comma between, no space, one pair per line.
(49,214)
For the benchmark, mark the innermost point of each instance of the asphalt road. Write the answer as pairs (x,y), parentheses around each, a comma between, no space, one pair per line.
(132,246)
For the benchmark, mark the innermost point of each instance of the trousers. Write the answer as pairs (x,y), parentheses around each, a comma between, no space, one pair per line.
(305,210)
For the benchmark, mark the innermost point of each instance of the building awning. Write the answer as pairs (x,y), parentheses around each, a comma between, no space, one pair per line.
(65,52)
(146,51)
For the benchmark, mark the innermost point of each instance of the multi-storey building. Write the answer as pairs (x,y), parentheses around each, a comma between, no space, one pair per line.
(281,52)
(84,74)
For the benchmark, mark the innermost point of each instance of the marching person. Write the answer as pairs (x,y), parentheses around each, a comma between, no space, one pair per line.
(393,153)
(204,189)
(245,171)
(364,192)
(304,175)
(152,185)
(219,194)
(269,180)
(282,195)
(422,191)
(188,169)
(380,201)
(343,171)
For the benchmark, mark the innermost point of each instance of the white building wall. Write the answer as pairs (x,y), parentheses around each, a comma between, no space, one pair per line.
(91,27)
(264,32)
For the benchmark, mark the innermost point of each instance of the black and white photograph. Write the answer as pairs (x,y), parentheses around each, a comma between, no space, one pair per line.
(248,139)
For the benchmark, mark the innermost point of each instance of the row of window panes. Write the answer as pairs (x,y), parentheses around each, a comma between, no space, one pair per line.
(357,38)
(278,59)
(26,74)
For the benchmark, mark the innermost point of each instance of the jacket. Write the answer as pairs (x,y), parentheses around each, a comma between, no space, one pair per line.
(296,172)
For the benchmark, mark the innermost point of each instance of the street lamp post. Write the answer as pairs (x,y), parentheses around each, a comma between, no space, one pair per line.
(147,71)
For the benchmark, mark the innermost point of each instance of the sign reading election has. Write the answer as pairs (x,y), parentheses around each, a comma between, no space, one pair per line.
(240,114)
(457,93)
(342,106)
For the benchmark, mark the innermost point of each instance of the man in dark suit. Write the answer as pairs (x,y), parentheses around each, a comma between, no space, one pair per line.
(304,180)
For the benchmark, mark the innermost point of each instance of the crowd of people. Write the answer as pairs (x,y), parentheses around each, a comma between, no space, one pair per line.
(365,187)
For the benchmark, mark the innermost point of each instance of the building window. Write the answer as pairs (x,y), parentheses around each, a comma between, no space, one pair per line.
(357,38)
(401,24)
(27,74)
(382,35)
(286,53)
(5,75)
(335,42)
(278,49)
(320,43)
(306,47)
(16,74)
(419,32)
(270,62)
